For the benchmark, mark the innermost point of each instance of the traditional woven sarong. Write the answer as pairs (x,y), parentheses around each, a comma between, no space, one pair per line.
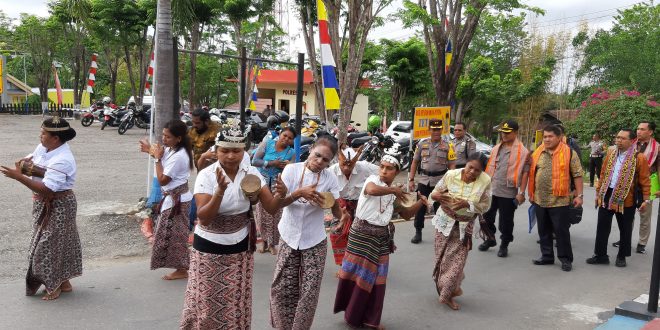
(267,224)
(450,257)
(55,255)
(339,239)
(170,248)
(294,293)
(363,274)
(219,291)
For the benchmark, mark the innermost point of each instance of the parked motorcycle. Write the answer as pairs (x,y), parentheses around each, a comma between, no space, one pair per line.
(94,112)
(112,117)
(374,148)
(135,116)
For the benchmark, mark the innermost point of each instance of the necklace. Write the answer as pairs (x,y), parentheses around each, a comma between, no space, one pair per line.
(300,183)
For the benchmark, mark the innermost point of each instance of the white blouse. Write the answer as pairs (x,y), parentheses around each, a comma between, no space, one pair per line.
(176,166)
(301,226)
(233,200)
(376,210)
(350,188)
(60,167)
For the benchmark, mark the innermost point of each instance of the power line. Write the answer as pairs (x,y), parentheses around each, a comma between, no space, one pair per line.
(587,14)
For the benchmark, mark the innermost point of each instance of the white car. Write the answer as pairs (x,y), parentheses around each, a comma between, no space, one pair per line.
(400,130)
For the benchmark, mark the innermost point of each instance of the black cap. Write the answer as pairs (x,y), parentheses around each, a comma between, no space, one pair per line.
(435,124)
(509,126)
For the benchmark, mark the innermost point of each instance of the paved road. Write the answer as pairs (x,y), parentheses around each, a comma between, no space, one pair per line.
(499,293)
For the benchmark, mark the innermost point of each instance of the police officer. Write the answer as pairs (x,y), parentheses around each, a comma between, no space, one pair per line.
(433,157)
(463,144)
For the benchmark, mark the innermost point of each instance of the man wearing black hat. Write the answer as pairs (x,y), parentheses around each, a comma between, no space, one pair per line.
(508,168)
(433,157)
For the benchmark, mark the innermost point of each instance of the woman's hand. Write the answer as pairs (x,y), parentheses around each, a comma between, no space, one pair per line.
(310,194)
(423,199)
(220,179)
(277,163)
(280,188)
(12,173)
(159,151)
(345,216)
(459,204)
(145,146)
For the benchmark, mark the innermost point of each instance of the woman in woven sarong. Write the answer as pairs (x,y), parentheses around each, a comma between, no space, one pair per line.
(173,164)
(464,195)
(55,256)
(219,291)
(294,293)
(270,158)
(363,273)
(351,175)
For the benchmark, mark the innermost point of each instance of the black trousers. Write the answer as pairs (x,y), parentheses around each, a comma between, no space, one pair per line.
(419,217)
(554,220)
(595,164)
(507,208)
(625,221)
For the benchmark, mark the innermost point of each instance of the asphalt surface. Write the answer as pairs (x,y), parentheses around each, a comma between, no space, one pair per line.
(122,293)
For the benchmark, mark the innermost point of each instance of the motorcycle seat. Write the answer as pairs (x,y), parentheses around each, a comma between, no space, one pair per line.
(404,143)
(356,143)
(304,140)
(353,136)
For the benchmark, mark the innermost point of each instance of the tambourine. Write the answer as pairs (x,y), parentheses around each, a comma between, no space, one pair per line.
(328,200)
(29,168)
(411,199)
(250,185)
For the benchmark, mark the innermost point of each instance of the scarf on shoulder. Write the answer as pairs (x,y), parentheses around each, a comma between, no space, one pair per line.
(561,170)
(517,157)
(623,183)
(651,151)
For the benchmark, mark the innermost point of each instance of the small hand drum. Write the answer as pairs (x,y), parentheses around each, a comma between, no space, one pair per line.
(251,184)
(411,199)
(30,169)
(328,200)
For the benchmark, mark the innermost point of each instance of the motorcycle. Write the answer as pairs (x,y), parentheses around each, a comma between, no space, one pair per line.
(134,116)
(112,116)
(374,148)
(94,112)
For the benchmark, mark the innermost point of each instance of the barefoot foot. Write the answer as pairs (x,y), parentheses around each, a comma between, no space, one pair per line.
(451,303)
(458,292)
(273,250)
(66,286)
(53,295)
(177,274)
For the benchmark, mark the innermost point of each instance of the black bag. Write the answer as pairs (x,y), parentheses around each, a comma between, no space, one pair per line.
(574,214)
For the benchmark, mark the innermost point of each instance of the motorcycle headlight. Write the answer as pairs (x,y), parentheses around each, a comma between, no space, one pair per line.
(374,139)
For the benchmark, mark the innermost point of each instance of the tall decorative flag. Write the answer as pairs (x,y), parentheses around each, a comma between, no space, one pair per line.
(92,74)
(253,76)
(448,50)
(150,74)
(330,85)
(58,87)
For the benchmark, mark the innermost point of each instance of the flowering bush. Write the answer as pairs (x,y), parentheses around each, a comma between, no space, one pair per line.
(607,112)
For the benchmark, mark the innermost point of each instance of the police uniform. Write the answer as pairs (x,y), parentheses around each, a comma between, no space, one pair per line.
(463,148)
(433,159)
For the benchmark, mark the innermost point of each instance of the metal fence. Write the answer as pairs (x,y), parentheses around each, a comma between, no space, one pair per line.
(64,110)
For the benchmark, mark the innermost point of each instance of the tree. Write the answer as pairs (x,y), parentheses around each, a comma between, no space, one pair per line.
(35,36)
(455,21)
(165,103)
(627,55)
(406,67)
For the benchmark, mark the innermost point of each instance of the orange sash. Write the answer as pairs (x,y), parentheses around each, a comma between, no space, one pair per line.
(561,170)
(517,158)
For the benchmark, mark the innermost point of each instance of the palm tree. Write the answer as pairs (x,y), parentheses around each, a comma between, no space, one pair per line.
(164,93)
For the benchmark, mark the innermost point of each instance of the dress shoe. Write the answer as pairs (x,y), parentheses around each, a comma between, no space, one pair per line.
(616,244)
(566,266)
(543,262)
(620,262)
(486,245)
(417,238)
(503,252)
(598,260)
(641,248)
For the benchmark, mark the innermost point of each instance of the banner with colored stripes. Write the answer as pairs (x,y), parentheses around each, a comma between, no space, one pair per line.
(150,74)
(92,74)
(328,66)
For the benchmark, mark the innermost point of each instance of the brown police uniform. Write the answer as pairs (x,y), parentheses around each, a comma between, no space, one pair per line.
(463,148)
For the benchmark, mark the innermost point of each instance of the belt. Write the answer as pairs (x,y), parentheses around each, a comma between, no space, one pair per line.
(428,173)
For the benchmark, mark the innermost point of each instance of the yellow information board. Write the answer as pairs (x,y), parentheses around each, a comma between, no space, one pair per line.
(422,117)
(538,138)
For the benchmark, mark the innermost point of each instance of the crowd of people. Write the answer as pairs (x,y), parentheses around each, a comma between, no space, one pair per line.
(238,197)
